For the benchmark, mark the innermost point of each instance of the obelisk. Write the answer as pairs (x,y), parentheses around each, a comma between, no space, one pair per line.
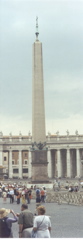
(39,152)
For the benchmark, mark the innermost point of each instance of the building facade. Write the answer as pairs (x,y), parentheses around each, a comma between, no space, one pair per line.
(64,156)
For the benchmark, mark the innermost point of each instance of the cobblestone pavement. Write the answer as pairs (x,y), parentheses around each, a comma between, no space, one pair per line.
(67,220)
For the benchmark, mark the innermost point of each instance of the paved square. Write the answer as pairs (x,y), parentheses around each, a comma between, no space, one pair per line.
(67,220)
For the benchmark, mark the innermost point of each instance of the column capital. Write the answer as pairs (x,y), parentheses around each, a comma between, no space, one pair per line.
(10,150)
(68,149)
(58,149)
(77,148)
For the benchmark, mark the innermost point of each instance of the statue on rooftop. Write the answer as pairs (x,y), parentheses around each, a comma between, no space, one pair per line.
(67,133)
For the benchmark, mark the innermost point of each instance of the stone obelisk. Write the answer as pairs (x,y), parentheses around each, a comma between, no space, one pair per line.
(39,152)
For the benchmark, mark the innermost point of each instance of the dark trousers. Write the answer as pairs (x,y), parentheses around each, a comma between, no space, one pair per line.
(42,199)
(11,199)
(18,200)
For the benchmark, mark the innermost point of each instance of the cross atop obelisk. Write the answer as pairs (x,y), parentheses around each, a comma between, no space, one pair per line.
(37,32)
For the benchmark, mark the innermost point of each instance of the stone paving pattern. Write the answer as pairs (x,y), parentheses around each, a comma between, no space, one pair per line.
(67,220)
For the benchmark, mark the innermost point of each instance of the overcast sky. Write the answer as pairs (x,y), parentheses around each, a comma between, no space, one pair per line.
(61,34)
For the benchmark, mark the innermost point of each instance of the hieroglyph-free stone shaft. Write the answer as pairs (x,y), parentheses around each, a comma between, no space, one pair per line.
(38,110)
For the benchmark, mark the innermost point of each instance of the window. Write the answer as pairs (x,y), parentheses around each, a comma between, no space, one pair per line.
(5,159)
(15,170)
(25,154)
(25,162)
(25,170)
(12,162)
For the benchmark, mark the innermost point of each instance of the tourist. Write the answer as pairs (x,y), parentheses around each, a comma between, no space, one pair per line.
(28,195)
(23,199)
(76,189)
(38,197)
(4,196)
(42,193)
(71,189)
(11,194)
(15,192)
(42,224)
(18,197)
(0,191)
(6,223)
(25,222)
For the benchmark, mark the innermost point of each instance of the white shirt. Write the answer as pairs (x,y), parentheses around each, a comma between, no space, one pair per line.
(43,222)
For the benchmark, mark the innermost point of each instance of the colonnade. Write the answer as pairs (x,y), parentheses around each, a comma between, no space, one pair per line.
(19,165)
(67,163)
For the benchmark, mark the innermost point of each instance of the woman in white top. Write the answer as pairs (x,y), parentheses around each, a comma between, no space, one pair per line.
(42,224)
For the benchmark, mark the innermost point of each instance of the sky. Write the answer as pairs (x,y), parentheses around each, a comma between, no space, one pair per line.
(61,33)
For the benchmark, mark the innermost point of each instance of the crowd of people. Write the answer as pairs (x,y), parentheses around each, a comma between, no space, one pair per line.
(28,222)
(69,186)
(21,194)
(73,189)
(15,193)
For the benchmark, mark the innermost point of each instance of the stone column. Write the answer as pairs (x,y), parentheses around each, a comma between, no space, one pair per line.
(78,163)
(68,164)
(30,165)
(59,163)
(49,163)
(20,164)
(10,164)
(1,157)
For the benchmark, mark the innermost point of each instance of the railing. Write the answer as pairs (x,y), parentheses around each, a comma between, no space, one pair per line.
(75,198)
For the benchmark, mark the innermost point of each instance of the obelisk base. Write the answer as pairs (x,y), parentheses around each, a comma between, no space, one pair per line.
(39,166)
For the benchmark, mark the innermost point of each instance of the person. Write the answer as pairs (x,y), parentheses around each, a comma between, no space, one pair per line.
(76,189)
(42,193)
(4,196)
(71,189)
(18,197)
(11,192)
(0,191)
(38,197)
(6,230)
(25,222)
(15,191)
(23,199)
(42,224)
(28,195)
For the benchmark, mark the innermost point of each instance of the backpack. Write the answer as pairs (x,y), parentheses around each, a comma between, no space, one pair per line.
(37,192)
(4,230)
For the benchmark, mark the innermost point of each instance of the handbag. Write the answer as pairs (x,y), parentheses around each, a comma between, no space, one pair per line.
(34,233)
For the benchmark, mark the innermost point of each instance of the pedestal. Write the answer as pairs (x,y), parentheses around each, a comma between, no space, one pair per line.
(39,166)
